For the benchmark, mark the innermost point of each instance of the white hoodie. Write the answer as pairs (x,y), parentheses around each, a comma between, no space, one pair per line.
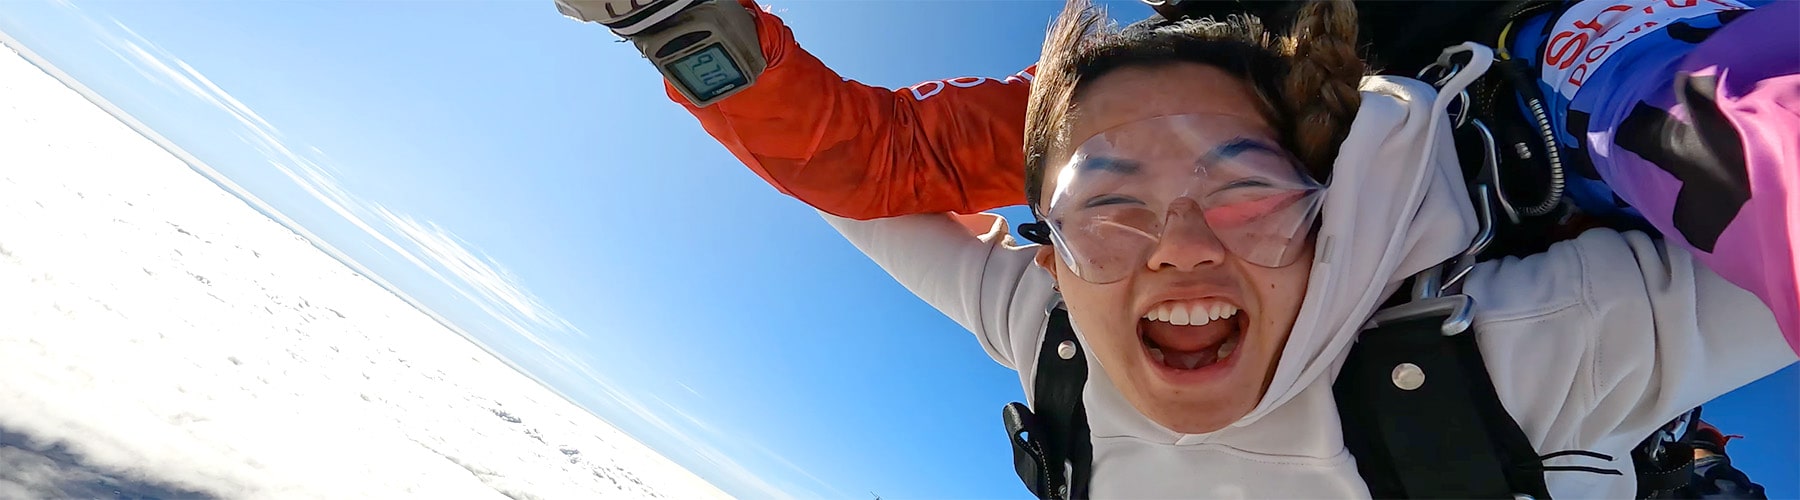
(1592,344)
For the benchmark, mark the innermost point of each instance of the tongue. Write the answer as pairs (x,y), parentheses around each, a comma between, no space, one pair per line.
(1188,360)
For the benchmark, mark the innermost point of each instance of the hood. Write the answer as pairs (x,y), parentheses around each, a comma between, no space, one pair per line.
(1396,206)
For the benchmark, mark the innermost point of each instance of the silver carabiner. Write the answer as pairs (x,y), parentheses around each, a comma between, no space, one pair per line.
(1490,201)
(1490,170)
(1460,115)
(1437,290)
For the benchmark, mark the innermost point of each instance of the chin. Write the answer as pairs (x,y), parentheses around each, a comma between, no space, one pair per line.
(1187,414)
(1186,422)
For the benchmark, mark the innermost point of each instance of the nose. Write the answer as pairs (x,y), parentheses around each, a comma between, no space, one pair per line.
(1187,243)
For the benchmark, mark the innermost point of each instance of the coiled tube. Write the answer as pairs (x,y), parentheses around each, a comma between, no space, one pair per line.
(1552,155)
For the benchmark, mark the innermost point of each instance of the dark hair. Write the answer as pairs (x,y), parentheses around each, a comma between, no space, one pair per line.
(1306,81)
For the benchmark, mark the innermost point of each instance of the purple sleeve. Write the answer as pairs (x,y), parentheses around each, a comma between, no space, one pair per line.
(1710,153)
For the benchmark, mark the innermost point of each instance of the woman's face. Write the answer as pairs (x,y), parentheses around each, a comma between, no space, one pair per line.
(1145,328)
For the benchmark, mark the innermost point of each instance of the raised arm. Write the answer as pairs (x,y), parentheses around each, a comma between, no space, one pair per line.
(969,268)
(1692,337)
(1657,335)
(865,152)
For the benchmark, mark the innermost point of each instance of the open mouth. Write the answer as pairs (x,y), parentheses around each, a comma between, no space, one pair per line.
(1190,336)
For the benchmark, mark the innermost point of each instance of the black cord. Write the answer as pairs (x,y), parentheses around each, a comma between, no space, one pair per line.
(1583,453)
(1579,468)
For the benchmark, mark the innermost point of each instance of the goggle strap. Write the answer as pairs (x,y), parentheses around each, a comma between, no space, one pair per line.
(1036,232)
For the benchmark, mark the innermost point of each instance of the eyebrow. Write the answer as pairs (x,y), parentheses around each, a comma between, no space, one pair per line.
(1126,166)
(1108,164)
(1236,146)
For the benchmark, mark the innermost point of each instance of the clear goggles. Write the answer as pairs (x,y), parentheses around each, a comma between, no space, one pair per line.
(1125,190)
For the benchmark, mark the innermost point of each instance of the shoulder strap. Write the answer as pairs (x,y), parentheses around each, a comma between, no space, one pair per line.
(1052,451)
(1422,418)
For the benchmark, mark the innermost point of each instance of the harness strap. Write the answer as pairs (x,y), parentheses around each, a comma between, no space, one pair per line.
(1052,451)
(1422,418)
(1418,408)
(1660,478)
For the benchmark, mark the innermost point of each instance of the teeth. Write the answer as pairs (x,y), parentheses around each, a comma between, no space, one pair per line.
(1223,311)
(1197,315)
(1228,347)
(1158,355)
(1191,314)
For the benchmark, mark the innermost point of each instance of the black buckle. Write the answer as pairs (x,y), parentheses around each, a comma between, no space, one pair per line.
(1659,477)
(1458,312)
(1028,452)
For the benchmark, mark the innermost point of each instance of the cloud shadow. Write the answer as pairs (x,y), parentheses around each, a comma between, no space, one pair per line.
(33,469)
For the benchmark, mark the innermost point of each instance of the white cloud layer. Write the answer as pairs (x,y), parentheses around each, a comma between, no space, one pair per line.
(429,247)
(161,335)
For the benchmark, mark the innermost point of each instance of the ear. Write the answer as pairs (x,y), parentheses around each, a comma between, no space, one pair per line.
(1046,258)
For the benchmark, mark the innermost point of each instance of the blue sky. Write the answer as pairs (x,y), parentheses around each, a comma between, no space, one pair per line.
(523,176)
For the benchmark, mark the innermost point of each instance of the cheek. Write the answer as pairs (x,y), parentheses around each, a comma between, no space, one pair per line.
(1280,293)
(1291,285)
(1100,311)
(1286,289)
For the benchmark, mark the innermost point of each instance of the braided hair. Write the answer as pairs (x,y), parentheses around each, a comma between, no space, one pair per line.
(1321,90)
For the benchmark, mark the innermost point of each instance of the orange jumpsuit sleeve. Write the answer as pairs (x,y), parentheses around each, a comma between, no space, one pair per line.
(865,152)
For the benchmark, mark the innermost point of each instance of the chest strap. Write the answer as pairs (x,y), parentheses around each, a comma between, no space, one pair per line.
(1052,451)
(1421,416)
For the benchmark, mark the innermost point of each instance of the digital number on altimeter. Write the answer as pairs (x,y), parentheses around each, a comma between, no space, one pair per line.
(708,73)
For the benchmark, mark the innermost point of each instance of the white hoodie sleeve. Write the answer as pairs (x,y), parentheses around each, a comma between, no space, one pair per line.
(1685,337)
(1601,340)
(966,266)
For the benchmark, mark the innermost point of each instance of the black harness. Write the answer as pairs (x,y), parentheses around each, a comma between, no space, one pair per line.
(1414,396)
(1057,433)
(1418,410)
(1416,405)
